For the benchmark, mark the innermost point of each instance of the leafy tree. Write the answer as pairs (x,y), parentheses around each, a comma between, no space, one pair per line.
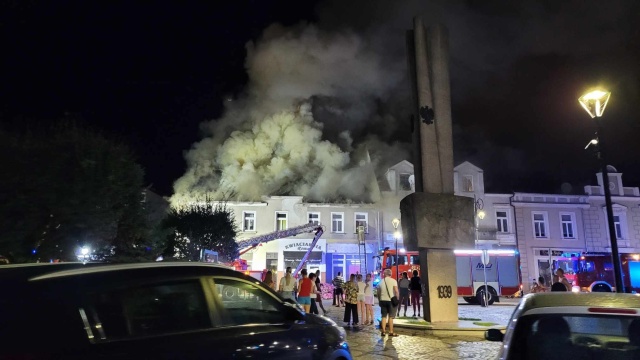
(202,225)
(69,188)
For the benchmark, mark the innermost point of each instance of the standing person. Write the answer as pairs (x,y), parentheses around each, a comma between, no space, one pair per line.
(403,286)
(559,278)
(415,286)
(387,289)
(312,295)
(319,296)
(351,300)
(368,300)
(338,282)
(304,291)
(288,286)
(268,279)
(361,308)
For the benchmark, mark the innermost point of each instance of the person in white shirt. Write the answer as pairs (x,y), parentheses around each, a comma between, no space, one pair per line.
(288,286)
(368,300)
(387,289)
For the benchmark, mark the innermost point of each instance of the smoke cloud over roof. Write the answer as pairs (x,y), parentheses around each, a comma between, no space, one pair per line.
(310,93)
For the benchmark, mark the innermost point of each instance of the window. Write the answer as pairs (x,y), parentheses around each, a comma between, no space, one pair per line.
(467,183)
(540,225)
(249,221)
(617,224)
(337,222)
(147,310)
(281,221)
(245,303)
(313,218)
(568,225)
(405,183)
(361,220)
(501,218)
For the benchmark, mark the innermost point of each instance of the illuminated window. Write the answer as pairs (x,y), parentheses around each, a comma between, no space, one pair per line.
(281,221)
(313,218)
(249,221)
(337,222)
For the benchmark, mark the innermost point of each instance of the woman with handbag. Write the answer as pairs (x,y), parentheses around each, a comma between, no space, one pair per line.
(388,300)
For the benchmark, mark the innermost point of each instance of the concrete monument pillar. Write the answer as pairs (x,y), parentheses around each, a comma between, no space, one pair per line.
(434,221)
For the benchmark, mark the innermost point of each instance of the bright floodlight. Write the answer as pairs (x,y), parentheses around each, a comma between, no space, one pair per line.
(396,234)
(84,251)
(595,102)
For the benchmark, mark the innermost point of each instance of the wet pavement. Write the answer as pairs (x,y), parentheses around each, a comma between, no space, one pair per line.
(366,342)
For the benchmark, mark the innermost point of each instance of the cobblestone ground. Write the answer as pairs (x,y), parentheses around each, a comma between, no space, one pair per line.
(366,342)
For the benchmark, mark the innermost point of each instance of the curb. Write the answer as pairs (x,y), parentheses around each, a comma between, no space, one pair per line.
(461,328)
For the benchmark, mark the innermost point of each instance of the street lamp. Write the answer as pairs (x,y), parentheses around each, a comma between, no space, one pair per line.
(594,103)
(396,235)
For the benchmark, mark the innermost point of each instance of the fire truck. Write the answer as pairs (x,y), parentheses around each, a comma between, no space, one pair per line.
(502,275)
(252,243)
(593,271)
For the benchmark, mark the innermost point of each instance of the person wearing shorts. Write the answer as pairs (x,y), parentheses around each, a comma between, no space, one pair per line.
(368,301)
(304,291)
(386,290)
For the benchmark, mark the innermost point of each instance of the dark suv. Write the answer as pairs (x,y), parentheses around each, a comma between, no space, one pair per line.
(154,311)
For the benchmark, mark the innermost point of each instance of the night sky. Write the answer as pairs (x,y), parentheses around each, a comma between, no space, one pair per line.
(150,73)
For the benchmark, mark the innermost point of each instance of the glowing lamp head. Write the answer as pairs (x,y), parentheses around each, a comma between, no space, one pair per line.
(595,102)
(396,234)
(481,214)
(396,223)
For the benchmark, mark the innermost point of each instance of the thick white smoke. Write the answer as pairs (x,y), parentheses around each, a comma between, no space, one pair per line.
(291,133)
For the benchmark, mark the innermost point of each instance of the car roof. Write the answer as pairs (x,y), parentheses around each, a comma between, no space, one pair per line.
(566,300)
(44,271)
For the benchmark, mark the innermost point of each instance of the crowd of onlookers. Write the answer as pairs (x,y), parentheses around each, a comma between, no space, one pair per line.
(356,295)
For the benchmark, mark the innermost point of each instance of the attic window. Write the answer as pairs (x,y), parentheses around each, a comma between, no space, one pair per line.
(467,183)
(404,182)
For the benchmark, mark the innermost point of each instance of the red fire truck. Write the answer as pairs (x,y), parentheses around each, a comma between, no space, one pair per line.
(502,275)
(594,272)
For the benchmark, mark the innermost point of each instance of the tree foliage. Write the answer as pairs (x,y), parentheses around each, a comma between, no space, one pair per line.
(69,188)
(202,225)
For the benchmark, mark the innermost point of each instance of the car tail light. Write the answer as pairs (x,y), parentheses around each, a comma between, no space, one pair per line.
(612,311)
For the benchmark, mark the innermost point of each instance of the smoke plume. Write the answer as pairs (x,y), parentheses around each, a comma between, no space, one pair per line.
(310,93)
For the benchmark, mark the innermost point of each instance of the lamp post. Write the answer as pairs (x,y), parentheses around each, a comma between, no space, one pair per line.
(479,214)
(594,103)
(396,235)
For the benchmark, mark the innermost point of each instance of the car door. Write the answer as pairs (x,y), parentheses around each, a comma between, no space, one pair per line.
(160,320)
(255,323)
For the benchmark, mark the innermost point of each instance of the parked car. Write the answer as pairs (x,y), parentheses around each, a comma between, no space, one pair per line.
(572,326)
(155,311)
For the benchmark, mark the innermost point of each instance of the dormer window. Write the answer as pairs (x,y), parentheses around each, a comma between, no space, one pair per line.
(405,184)
(467,183)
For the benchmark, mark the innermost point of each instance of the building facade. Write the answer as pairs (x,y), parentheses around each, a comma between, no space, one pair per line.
(543,228)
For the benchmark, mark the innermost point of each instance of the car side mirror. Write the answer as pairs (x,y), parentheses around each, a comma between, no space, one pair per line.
(493,335)
(292,310)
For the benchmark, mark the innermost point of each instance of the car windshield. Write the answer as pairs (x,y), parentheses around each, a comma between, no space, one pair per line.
(560,336)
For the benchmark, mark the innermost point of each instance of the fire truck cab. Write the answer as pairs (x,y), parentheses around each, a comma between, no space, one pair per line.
(594,272)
